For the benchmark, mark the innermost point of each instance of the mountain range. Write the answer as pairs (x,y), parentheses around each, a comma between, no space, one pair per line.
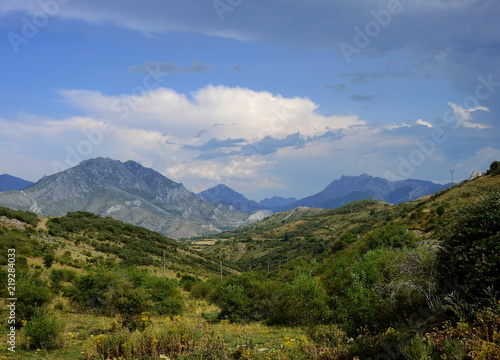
(338,193)
(129,192)
(9,182)
(351,188)
(221,194)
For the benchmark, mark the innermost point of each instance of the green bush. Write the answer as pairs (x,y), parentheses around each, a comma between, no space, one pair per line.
(24,216)
(303,302)
(494,168)
(57,276)
(243,298)
(469,256)
(440,210)
(392,236)
(187,282)
(48,260)
(32,293)
(128,294)
(43,331)
(90,292)
(201,290)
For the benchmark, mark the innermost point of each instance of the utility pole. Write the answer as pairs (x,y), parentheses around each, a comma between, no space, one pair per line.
(221,270)
(452,171)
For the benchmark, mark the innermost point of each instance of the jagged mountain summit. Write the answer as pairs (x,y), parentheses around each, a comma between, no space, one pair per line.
(129,192)
(9,182)
(351,188)
(222,194)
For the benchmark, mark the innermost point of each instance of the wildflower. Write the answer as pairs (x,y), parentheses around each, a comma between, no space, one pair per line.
(99,338)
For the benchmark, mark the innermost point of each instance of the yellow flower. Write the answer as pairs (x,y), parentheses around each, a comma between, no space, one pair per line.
(99,338)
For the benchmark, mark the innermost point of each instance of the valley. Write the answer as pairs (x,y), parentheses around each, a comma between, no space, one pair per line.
(368,279)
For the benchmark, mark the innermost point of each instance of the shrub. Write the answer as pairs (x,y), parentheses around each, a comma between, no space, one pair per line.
(392,236)
(440,210)
(494,168)
(60,275)
(469,255)
(31,293)
(188,281)
(201,290)
(48,260)
(90,292)
(303,302)
(418,349)
(43,331)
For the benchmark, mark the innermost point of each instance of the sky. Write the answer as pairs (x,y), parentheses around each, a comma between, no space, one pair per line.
(274,97)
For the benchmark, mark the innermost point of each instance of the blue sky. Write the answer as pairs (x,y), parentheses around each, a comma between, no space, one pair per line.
(269,97)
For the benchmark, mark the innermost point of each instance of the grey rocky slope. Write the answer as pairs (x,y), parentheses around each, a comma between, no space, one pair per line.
(128,192)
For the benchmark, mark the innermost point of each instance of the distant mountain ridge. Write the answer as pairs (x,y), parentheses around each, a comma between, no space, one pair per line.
(9,182)
(222,194)
(338,193)
(276,202)
(128,192)
(351,188)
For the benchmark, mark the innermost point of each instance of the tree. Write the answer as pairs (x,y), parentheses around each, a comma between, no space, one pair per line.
(494,168)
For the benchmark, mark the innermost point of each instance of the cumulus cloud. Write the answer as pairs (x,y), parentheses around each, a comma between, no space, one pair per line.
(214,112)
(464,116)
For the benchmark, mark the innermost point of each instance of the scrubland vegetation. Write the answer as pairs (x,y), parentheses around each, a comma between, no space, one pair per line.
(95,288)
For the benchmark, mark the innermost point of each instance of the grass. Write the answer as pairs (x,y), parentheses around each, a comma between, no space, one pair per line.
(85,336)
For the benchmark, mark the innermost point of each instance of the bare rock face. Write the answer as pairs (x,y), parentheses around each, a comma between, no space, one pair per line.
(475,174)
(128,192)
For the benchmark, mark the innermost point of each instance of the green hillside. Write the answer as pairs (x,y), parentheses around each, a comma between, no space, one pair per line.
(316,233)
(363,281)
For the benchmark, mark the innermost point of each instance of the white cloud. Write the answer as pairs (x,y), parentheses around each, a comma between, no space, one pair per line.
(219,112)
(424,123)
(464,116)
